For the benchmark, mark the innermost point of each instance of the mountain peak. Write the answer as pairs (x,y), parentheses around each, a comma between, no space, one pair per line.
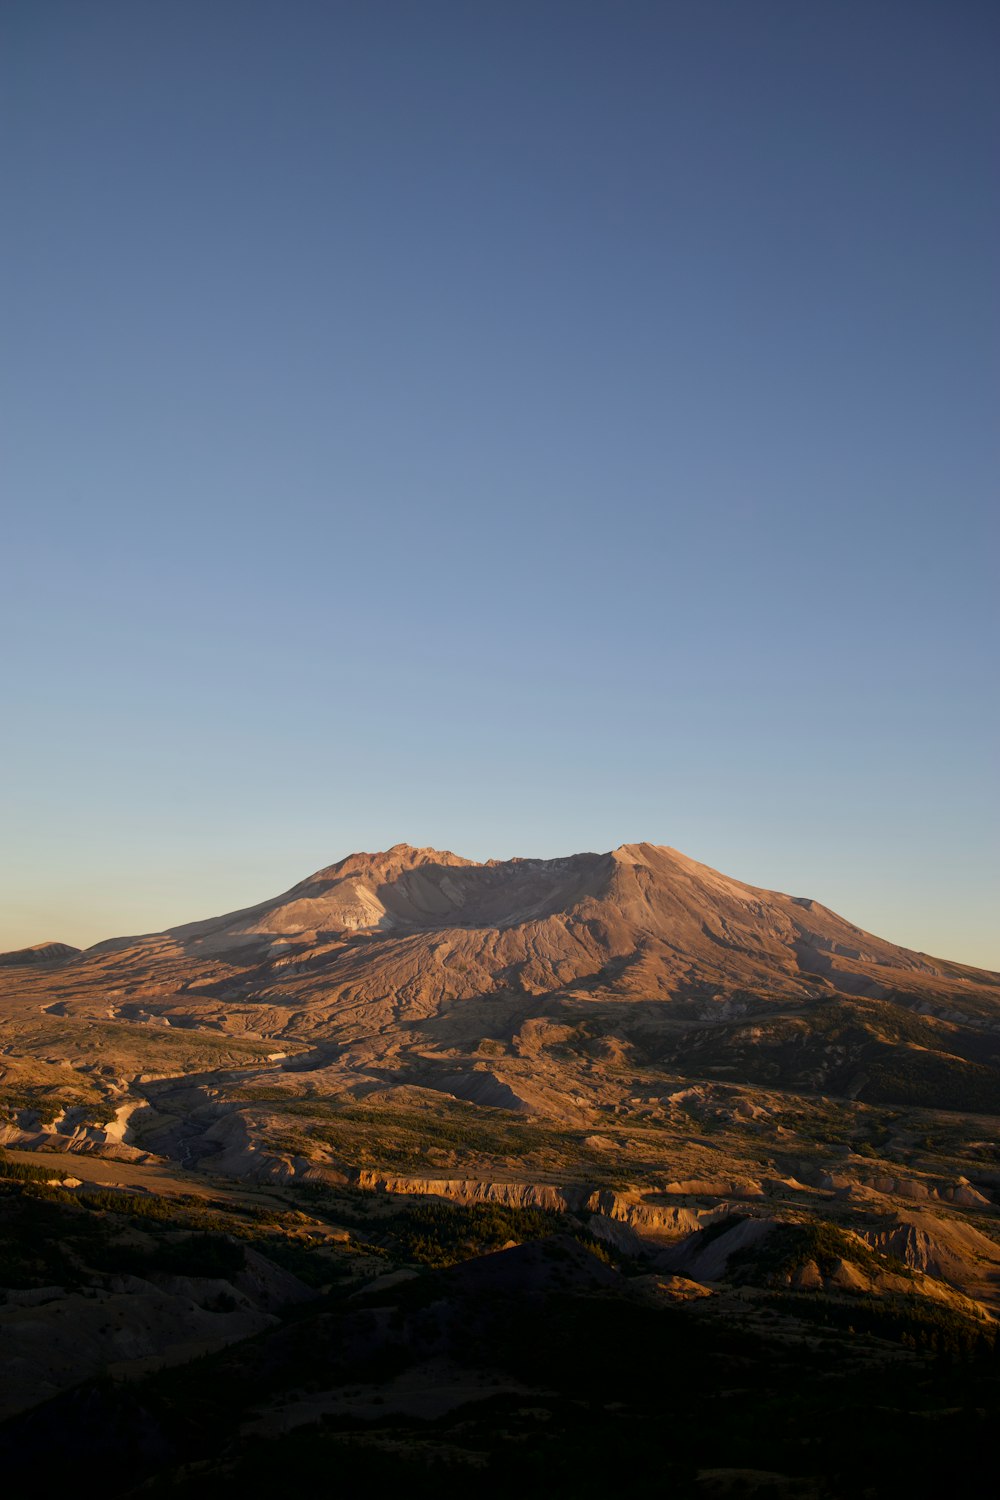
(389,863)
(638,854)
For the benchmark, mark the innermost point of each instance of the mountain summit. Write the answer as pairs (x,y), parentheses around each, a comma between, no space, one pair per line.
(642,920)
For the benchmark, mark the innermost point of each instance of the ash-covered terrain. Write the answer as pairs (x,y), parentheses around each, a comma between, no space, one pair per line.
(395,1156)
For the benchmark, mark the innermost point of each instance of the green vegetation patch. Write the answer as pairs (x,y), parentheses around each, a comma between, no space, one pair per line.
(439,1234)
(391,1139)
(51,1237)
(930,1080)
(789,1247)
(212,1255)
(130,1046)
(16,1171)
(916,1323)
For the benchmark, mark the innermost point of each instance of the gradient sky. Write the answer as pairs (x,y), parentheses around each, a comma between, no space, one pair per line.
(518,428)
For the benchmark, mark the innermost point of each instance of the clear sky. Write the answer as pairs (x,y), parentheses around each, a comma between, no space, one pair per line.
(518,428)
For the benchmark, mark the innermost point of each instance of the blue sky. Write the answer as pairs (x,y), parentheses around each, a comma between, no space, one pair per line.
(514,428)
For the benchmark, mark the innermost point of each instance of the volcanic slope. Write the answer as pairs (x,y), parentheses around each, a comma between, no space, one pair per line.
(402,932)
(544,969)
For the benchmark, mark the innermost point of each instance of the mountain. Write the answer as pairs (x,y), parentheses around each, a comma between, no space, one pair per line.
(506,982)
(640,921)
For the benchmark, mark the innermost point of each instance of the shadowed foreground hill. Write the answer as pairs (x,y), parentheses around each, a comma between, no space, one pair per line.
(534,1371)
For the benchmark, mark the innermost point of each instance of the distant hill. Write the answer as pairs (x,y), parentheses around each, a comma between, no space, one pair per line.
(41,953)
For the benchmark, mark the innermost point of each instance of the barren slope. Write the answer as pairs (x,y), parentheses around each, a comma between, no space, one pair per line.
(423,926)
(523,982)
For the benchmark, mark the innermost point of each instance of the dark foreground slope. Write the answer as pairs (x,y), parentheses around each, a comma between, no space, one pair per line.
(538,1369)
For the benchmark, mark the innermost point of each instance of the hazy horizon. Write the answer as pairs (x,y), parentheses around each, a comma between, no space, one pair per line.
(515,431)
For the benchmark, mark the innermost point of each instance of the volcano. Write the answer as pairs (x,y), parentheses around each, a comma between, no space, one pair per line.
(428,961)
